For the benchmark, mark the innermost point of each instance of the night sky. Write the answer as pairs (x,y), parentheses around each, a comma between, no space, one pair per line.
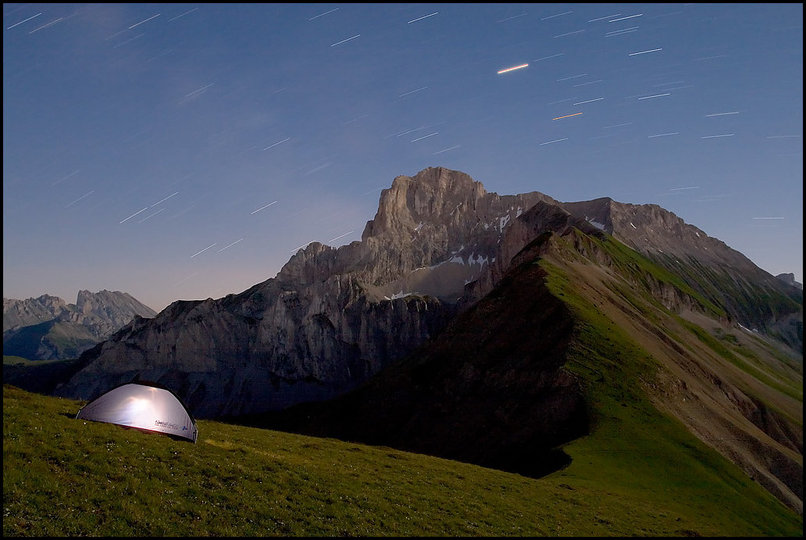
(186,151)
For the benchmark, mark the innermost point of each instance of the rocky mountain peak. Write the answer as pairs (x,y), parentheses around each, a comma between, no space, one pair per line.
(19,313)
(308,264)
(432,196)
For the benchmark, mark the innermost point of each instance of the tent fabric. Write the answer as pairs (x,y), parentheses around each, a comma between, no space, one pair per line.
(142,406)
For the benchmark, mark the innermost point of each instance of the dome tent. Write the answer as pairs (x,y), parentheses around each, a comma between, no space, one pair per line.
(142,405)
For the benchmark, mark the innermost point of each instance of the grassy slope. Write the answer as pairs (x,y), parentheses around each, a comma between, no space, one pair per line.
(63,476)
(635,447)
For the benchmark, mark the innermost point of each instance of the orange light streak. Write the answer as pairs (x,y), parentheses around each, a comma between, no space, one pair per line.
(567,116)
(513,68)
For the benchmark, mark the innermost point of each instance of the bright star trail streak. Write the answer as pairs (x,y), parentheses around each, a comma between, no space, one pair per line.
(645,52)
(26,20)
(323,14)
(345,40)
(425,136)
(620,32)
(507,70)
(423,17)
(278,142)
(605,17)
(131,216)
(655,95)
(262,208)
(625,18)
(165,199)
(183,14)
(513,17)
(588,101)
(567,116)
(202,251)
(569,33)
(145,21)
(557,15)
(229,245)
(51,23)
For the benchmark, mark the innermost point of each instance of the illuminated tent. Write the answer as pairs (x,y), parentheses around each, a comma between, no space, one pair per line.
(142,406)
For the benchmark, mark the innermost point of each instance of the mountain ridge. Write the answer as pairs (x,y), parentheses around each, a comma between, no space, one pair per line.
(334,320)
(47,327)
(322,307)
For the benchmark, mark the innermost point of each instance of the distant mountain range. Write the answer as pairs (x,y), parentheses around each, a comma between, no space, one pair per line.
(487,328)
(48,328)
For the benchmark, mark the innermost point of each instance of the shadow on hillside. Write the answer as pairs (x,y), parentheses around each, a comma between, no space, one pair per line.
(527,458)
(39,378)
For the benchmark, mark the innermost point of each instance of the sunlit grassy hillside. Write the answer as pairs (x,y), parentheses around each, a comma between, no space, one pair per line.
(63,476)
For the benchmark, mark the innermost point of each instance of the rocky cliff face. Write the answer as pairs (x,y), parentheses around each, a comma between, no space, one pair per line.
(105,312)
(276,344)
(330,318)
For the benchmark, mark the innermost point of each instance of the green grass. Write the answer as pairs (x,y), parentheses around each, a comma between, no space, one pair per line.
(67,477)
(16,361)
(789,388)
(20,361)
(633,263)
(635,449)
